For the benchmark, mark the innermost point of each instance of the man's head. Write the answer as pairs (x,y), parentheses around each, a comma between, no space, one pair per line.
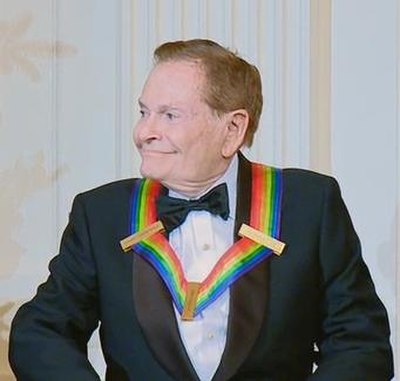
(197,107)
(230,82)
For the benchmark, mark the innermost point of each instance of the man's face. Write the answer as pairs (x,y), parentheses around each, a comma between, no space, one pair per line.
(178,136)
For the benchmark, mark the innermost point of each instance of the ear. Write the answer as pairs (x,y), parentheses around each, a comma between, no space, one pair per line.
(237,123)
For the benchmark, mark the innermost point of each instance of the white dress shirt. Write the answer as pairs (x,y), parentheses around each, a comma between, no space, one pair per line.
(199,243)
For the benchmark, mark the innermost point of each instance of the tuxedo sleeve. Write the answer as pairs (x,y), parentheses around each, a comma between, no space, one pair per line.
(354,338)
(49,334)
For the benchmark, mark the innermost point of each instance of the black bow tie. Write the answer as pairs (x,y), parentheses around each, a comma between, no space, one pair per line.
(173,211)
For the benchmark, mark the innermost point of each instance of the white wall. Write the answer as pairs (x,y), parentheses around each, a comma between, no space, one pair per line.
(365,134)
(71,71)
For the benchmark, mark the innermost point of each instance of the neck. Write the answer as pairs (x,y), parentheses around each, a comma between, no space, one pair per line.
(194,188)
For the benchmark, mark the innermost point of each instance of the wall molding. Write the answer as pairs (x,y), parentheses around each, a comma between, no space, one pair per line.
(123,91)
(320,85)
(397,213)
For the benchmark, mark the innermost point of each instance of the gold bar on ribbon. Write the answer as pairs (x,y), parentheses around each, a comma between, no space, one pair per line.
(255,235)
(148,231)
(190,301)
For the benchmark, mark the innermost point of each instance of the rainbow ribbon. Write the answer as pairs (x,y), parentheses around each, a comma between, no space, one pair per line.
(240,258)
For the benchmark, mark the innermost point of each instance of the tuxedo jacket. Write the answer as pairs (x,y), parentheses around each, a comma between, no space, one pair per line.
(315,304)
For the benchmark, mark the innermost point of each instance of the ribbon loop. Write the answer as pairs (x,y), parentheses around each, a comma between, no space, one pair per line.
(258,241)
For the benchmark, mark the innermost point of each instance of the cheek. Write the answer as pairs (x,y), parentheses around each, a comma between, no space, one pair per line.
(209,142)
(135,134)
(197,140)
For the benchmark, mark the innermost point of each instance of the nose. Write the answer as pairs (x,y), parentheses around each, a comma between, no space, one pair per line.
(146,130)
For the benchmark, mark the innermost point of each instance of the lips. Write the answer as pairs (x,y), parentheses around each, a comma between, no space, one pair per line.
(156,152)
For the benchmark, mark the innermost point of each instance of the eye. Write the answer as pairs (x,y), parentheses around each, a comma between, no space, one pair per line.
(142,113)
(170,115)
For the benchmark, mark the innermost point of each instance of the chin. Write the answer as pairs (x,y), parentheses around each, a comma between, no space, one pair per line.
(156,167)
(151,173)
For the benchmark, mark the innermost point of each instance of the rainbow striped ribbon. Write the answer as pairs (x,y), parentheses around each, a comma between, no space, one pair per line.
(240,258)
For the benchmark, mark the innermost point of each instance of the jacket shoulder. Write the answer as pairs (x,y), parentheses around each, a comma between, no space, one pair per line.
(110,194)
(305,179)
(304,188)
(300,174)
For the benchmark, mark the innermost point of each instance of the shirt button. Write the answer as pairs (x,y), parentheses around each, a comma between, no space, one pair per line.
(210,336)
(206,247)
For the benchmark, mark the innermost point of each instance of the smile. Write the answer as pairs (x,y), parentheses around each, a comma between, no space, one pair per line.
(156,152)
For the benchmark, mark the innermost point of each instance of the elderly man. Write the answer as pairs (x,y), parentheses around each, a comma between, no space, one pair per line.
(210,267)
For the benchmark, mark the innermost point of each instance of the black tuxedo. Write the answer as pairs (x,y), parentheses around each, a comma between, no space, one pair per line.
(319,291)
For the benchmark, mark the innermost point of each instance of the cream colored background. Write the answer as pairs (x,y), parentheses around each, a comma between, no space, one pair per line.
(71,71)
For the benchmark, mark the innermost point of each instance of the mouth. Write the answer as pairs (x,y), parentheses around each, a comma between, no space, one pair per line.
(154,152)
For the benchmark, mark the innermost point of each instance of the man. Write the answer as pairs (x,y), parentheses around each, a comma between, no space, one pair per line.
(231,270)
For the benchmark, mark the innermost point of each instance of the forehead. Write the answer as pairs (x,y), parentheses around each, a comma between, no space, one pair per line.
(176,80)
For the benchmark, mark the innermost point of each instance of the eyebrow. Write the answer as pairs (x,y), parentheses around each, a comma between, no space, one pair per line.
(141,104)
(161,108)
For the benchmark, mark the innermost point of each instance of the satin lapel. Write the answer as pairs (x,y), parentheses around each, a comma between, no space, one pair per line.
(156,317)
(154,310)
(248,296)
